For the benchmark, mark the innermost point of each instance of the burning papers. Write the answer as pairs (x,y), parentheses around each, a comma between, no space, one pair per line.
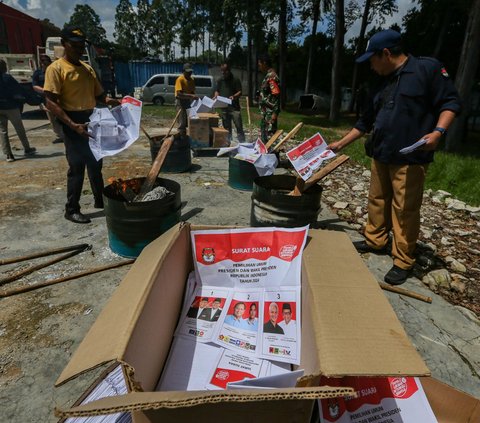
(112,131)
(243,309)
(255,153)
(309,155)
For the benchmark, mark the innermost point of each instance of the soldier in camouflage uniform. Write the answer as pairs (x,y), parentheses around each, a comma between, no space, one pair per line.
(269,100)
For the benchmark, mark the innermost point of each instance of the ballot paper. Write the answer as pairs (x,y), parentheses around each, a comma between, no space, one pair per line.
(309,155)
(413,147)
(254,153)
(189,365)
(258,267)
(112,385)
(234,367)
(112,131)
(221,102)
(379,400)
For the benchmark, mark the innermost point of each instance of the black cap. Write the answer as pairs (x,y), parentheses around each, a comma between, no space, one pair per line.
(187,67)
(383,39)
(73,33)
(286,306)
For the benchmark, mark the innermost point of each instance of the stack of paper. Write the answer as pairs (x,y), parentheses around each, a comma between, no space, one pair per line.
(112,131)
(206,104)
(255,153)
(243,319)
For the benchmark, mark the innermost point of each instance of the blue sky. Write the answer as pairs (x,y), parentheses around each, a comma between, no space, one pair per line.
(59,11)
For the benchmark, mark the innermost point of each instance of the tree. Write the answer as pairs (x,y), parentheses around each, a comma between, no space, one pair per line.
(373,11)
(125,21)
(143,26)
(85,18)
(337,60)
(466,74)
(163,21)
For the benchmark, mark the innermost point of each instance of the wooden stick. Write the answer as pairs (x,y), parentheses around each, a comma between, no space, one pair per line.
(155,170)
(157,163)
(44,253)
(31,269)
(274,138)
(15,291)
(146,133)
(324,171)
(406,292)
(248,110)
(291,134)
(299,186)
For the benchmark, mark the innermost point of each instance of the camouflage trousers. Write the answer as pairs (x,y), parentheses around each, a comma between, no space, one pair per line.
(267,127)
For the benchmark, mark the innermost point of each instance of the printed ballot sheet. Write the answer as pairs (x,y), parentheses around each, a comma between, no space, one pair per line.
(249,257)
(379,400)
(309,155)
(234,367)
(112,131)
(206,309)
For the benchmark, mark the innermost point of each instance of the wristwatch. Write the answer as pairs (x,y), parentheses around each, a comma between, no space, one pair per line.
(441,130)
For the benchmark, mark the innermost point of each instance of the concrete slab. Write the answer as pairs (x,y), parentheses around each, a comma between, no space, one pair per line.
(40,330)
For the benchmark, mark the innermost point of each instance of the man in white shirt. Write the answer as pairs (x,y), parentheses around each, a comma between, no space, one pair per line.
(236,319)
(252,320)
(288,325)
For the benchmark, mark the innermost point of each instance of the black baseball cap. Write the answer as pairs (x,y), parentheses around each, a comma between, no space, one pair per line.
(73,33)
(383,39)
(187,67)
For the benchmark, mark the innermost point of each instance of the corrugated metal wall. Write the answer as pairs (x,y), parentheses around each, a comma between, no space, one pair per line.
(135,74)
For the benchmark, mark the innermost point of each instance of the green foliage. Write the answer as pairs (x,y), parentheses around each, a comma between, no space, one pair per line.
(125,23)
(85,18)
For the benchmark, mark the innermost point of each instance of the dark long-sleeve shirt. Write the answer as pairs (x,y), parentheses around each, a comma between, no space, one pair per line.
(406,107)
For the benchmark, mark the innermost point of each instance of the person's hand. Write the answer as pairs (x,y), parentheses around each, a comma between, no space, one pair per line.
(194,97)
(273,118)
(335,146)
(80,128)
(109,101)
(433,138)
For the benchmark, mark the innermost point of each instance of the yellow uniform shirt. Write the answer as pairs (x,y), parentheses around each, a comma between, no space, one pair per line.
(76,86)
(184,85)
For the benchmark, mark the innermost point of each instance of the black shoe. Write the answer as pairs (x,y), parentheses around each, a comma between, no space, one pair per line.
(396,275)
(363,247)
(77,217)
(30,151)
(10,158)
(98,204)
(57,141)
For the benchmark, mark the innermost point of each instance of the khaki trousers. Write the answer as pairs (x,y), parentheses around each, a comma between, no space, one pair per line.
(394,201)
(14,116)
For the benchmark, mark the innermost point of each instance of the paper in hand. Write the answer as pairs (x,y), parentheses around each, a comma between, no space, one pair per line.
(413,147)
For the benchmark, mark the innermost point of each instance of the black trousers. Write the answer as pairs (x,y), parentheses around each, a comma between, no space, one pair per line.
(79,157)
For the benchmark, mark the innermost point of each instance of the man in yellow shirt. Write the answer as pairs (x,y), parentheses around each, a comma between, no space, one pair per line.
(72,91)
(184,95)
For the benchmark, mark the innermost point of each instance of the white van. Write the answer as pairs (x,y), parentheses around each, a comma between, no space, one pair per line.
(160,89)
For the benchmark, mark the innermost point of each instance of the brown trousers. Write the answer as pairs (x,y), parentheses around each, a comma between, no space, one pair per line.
(394,201)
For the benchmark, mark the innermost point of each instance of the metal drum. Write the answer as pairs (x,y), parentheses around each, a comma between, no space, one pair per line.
(272,206)
(179,158)
(131,226)
(241,174)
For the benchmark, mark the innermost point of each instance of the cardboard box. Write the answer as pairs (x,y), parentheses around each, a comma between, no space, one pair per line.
(348,328)
(199,132)
(220,137)
(212,118)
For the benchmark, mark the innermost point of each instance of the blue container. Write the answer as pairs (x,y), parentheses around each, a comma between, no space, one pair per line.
(241,174)
(131,226)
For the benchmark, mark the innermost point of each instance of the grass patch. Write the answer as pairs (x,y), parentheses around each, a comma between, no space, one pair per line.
(456,173)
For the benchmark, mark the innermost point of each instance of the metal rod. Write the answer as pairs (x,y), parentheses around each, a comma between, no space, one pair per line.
(31,269)
(406,292)
(44,253)
(15,291)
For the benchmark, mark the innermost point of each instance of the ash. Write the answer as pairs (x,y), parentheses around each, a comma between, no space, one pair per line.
(156,194)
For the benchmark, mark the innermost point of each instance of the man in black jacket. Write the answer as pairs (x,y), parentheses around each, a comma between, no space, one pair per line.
(415,101)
